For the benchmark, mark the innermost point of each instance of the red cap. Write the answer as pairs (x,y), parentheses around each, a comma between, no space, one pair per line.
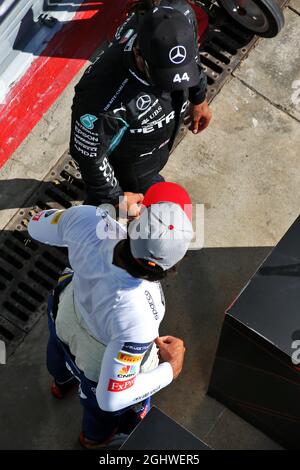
(169,192)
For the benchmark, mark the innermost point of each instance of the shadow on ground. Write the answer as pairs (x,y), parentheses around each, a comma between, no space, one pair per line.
(12,192)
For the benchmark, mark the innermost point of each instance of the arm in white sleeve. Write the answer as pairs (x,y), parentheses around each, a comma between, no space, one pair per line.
(120,384)
(44,227)
(62,227)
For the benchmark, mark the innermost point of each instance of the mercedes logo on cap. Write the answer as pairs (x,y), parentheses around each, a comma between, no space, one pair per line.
(143,102)
(177,54)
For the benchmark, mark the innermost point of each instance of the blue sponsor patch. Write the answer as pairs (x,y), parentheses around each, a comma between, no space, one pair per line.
(87,120)
(135,348)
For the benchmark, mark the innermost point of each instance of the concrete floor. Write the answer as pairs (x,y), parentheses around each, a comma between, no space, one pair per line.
(245,169)
(295,5)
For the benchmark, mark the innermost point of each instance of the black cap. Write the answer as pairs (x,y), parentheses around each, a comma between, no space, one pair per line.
(167,43)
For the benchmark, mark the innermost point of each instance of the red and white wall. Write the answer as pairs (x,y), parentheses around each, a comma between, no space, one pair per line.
(35,73)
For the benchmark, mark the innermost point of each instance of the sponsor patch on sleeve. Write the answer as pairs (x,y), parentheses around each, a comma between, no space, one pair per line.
(143,397)
(128,359)
(126,372)
(119,386)
(88,120)
(37,217)
(49,212)
(45,214)
(135,348)
(56,218)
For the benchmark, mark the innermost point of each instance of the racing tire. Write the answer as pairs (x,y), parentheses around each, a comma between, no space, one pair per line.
(262,17)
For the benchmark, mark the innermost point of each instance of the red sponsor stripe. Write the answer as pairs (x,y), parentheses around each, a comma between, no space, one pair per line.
(37,217)
(52,71)
(119,386)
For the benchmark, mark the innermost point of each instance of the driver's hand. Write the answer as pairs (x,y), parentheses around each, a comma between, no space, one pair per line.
(171,350)
(199,117)
(130,205)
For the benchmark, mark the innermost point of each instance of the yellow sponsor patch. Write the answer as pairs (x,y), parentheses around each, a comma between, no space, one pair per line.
(122,357)
(56,218)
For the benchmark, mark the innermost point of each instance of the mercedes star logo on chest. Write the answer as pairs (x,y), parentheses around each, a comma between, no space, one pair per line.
(143,102)
(177,54)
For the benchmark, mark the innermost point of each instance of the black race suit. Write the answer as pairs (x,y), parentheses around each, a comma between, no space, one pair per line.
(123,128)
(197,94)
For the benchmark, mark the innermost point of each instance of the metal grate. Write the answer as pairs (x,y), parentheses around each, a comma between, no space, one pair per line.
(29,270)
(226,46)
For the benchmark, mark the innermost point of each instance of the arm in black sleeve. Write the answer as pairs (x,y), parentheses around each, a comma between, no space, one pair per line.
(197,94)
(93,137)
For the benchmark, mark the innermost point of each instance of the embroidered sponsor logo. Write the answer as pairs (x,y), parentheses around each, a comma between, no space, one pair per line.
(151,304)
(143,102)
(108,172)
(135,348)
(88,145)
(79,129)
(50,212)
(113,99)
(85,141)
(177,54)
(151,117)
(119,386)
(56,218)
(159,124)
(88,120)
(126,358)
(85,152)
(143,397)
(155,108)
(37,217)
(127,371)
